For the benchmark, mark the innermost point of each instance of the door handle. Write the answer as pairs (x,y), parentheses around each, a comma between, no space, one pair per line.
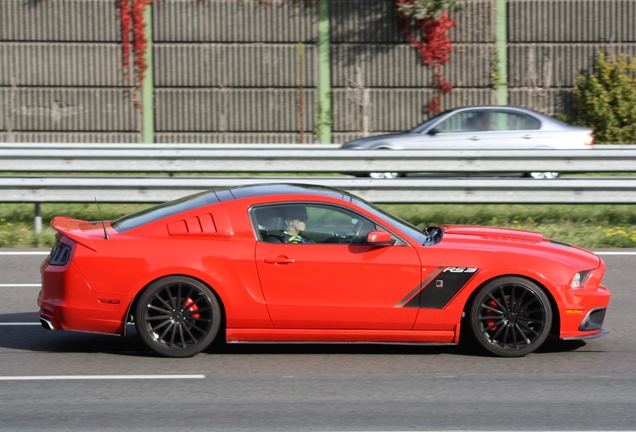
(475,138)
(527,137)
(281,259)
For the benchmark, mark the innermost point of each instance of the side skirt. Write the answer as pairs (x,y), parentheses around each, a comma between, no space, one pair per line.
(340,336)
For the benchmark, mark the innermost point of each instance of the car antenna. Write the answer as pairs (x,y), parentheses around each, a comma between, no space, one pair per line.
(102,219)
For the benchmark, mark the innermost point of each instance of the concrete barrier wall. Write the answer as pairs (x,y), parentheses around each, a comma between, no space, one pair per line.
(228,70)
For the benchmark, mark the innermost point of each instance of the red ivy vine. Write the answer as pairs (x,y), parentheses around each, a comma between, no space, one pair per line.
(430,17)
(133,37)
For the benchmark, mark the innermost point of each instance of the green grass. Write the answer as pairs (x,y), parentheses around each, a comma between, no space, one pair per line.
(17,227)
(590,226)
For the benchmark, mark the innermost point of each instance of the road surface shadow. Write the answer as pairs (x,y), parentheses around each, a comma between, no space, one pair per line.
(35,338)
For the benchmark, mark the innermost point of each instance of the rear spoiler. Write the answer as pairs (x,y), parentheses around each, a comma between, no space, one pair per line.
(71,229)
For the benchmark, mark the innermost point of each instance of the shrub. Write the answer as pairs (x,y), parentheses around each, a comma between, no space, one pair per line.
(606,100)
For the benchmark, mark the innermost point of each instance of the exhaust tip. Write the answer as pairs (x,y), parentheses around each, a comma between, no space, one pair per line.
(47,324)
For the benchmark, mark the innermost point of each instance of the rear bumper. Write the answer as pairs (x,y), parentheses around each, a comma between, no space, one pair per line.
(67,302)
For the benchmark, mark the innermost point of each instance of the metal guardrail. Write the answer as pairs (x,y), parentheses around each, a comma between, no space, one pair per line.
(217,159)
(440,191)
(58,161)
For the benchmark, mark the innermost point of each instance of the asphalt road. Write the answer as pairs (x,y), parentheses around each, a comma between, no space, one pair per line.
(54,381)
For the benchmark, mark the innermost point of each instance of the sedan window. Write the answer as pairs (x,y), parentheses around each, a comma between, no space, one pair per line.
(465,121)
(511,121)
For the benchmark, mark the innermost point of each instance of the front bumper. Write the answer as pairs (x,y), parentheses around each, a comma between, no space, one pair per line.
(584,313)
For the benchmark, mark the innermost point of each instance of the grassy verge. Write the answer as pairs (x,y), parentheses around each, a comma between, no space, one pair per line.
(590,226)
(17,227)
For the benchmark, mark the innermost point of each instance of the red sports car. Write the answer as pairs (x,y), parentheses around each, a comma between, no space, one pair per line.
(301,263)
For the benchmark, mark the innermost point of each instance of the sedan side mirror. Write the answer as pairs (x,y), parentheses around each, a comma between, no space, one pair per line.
(380,238)
(433,132)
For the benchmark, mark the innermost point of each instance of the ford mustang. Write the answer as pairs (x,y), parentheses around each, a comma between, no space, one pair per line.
(303,263)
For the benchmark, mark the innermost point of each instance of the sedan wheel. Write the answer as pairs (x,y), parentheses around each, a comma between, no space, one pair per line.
(177,316)
(510,317)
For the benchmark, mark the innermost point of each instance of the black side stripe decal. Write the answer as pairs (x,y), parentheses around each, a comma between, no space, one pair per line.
(441,288)
(417,289)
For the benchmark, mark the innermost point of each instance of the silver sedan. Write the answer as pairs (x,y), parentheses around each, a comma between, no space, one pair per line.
(483,128)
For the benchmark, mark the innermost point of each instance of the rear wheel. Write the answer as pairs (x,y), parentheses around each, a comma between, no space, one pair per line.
(510,317)
(177,316)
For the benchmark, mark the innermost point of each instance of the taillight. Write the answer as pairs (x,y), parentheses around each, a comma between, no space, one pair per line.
(589,139)
(59,254)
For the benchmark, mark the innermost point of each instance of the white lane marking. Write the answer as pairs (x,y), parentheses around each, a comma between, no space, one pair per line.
(24,253)
(20,324)
(19,285)
(98,377)
(615,253)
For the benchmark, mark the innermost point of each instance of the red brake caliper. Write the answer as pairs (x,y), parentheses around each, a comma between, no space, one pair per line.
(493,304)
(192,308)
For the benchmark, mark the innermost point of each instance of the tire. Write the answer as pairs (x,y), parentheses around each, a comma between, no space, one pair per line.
(177,316)
(510,317)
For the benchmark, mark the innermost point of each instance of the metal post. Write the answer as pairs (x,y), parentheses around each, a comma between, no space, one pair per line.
(147,87)
(324,74)
(501,54)
(38,219)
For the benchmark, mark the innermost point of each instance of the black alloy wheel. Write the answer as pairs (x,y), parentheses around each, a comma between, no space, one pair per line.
(177,316)
(510,316)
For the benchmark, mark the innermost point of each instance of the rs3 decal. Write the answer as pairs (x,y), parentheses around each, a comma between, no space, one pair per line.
(461,270)
(437,290)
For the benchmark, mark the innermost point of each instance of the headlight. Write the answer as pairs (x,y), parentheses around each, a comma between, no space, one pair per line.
(580,279)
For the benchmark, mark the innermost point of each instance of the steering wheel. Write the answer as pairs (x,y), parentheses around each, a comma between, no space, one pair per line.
(357,230)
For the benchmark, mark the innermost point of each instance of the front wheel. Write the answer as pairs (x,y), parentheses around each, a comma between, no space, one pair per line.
(177,316)
(510,317)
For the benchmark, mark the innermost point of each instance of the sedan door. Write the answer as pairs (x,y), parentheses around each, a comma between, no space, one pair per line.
(338,282)
(464,130)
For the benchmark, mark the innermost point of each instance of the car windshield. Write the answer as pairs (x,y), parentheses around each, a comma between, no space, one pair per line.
(414,232)
(163,210)
(421,128)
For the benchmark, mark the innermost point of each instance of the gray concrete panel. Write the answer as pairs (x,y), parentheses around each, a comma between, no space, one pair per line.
(543,65)
(59,20)
(67,109)
(234,21)
(609,21)
(235,65)
(395,109)
(70,137)
(61,64)
(233,110)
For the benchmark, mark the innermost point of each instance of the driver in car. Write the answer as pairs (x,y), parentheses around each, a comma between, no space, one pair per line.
(295,221)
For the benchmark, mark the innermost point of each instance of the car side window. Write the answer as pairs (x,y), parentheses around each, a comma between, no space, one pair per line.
(311,223)
(511,121)
(464,121)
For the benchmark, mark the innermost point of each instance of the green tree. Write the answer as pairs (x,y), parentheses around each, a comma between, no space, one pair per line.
(606,100)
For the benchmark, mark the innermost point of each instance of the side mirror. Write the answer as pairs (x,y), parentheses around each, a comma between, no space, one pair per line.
(379,238)
(433,132)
